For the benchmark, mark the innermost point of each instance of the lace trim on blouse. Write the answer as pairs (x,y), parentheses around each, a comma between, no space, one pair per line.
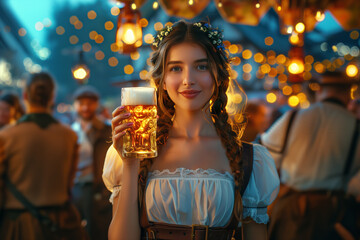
(189,173)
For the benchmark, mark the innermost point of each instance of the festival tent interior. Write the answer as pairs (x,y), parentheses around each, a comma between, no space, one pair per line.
(275,45)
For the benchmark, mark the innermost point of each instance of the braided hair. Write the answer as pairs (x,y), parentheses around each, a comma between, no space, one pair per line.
(219,65)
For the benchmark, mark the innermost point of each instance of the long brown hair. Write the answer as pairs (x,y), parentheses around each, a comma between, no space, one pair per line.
(219,66)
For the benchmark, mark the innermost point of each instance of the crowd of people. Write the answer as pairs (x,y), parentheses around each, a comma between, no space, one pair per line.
(296,177)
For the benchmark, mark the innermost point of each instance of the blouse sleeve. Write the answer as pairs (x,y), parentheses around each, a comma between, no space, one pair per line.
(263,186)
(112,172)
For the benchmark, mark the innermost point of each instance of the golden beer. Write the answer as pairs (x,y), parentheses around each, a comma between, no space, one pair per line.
(140,140)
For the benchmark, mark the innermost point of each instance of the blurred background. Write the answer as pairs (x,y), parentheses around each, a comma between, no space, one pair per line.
(278,47)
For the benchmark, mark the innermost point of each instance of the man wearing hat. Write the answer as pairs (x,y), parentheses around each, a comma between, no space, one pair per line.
(89,193)
(317,153)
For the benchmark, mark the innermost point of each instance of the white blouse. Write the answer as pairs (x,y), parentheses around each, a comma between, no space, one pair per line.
(201,196)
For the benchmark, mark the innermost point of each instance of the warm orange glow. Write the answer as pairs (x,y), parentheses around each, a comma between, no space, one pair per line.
(114,47)
(258,57)
(73,19)
(99,38)
(78,25)
(91,14)
(143,22)
(128,69)
(273,72)
(300,27)
(281,59)
(354,35)
(296,66)
(143,74)
(109,25)
(319,67)
(128,35)
(269,41)
(93,35)
(307,76)
(271,97)
(233,74)
(352,70)
(247,68)
(74,39)
(289,29)
(86,47)
(80,73)
(294,39)
(233,49)
(135,55)
(309,59)
(158,26)
(305,104)
(293,101)
(22,32)
(271,60)
(236,61)
(246,76)
(115,11)
(99,55)
(287,90)
(265,68)
(320,16)
(60,30)
(148,38)
(282,78)
(247,54)
(113,62)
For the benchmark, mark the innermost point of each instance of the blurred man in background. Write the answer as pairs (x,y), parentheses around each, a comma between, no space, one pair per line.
(89,193)
(258,120)
(320,166)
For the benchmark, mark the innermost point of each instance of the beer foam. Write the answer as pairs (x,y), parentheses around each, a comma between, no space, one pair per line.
(138,96)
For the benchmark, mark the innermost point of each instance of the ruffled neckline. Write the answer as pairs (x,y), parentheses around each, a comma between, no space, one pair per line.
(190,173)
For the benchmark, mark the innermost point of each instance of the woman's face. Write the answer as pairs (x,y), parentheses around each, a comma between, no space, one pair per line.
(187,77)
(6,113)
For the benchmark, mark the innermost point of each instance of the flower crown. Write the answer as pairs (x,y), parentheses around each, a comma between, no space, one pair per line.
(214,34)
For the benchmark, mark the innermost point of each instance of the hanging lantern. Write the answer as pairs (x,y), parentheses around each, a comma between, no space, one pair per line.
(129,32)
(296,67)
(80,71)
(243,11)
(184,8)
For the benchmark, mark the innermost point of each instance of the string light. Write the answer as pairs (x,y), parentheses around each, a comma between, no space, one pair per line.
(352,70)
(300,27)
(320,16)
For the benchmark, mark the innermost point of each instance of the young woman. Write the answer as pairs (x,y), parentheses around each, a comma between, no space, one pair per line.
(199,170)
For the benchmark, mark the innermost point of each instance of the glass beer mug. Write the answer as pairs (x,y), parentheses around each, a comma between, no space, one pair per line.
(140,140)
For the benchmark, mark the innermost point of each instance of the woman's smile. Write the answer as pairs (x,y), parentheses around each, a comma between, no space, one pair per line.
(190,94)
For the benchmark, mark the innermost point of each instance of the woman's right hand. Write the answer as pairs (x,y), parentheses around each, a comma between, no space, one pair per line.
(119,128)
